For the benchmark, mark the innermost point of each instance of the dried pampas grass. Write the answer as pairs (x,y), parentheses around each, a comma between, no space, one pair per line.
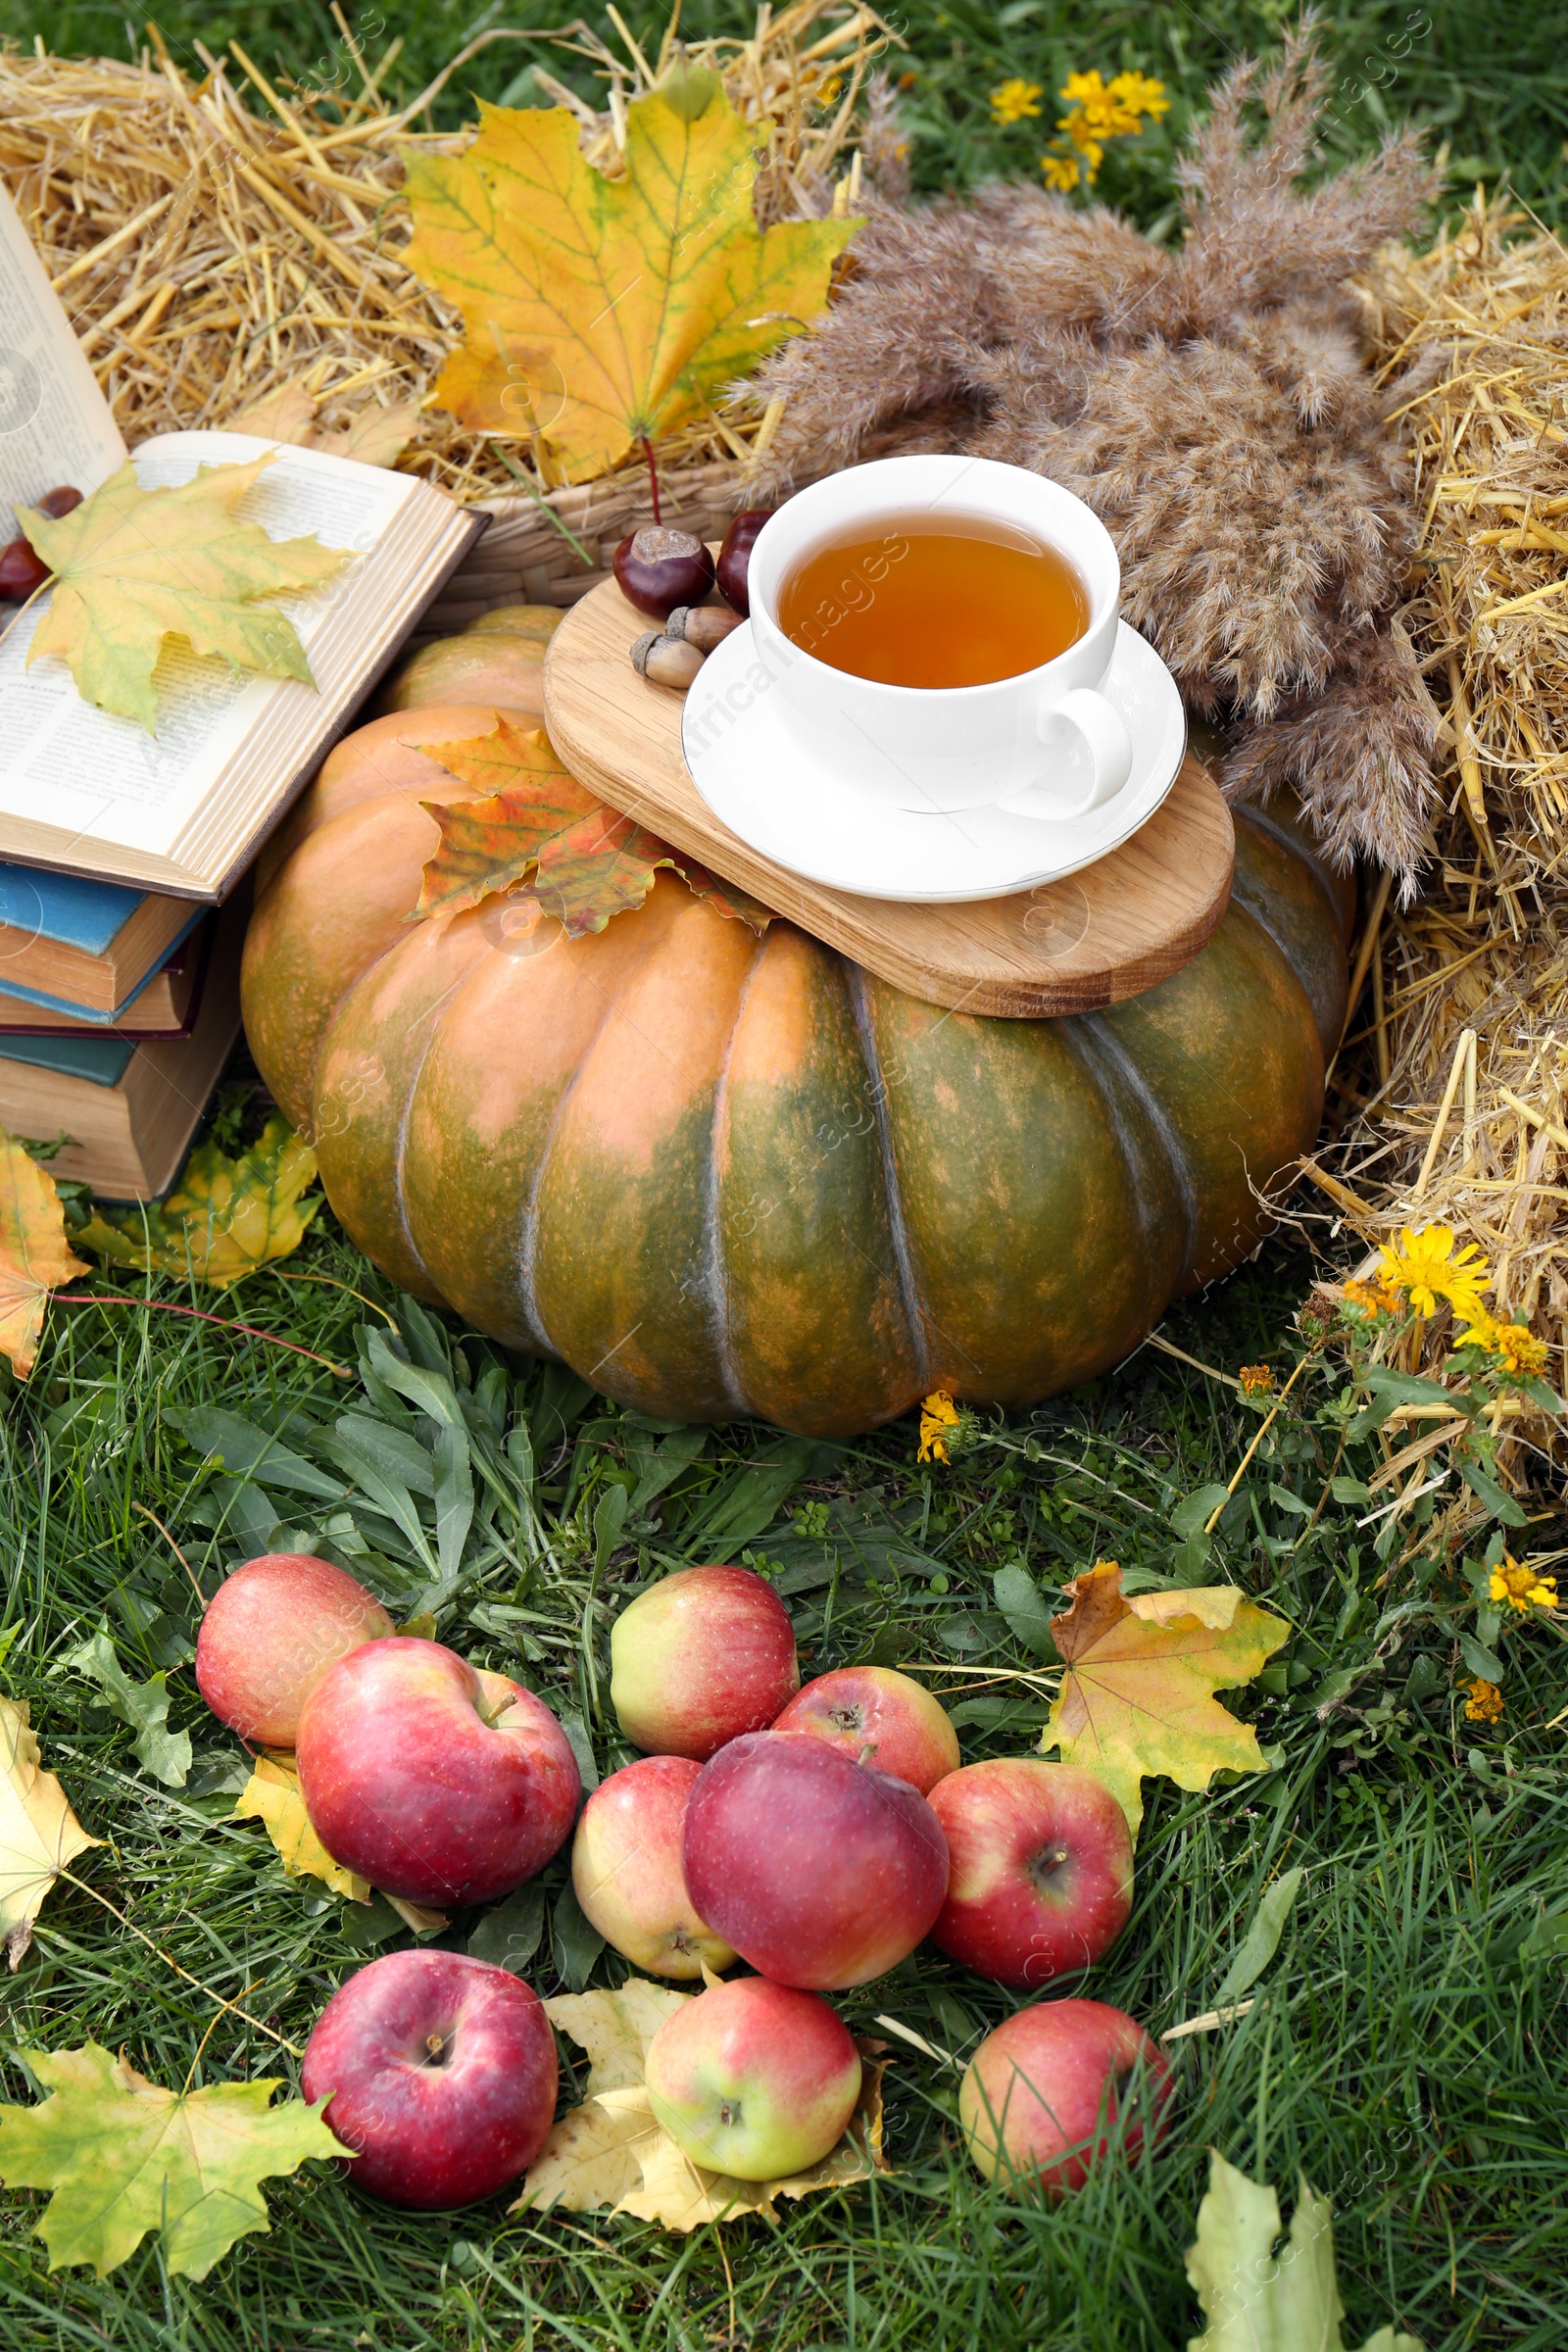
(1211,402)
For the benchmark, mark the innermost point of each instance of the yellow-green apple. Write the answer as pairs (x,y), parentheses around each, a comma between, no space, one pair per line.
(271,1631)
(699,1657)
(819,1871)
(859,1708)
(752,2078)
(626,1874)
(442,2075)
(437,1782)
(1040,1877)
(1046,2091)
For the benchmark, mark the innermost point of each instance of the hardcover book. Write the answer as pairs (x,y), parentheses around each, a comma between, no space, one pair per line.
(183,811)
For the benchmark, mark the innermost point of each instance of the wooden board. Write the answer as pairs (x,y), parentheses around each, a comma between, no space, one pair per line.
(1107,932)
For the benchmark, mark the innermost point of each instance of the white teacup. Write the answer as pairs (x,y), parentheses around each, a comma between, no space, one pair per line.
(1045,743)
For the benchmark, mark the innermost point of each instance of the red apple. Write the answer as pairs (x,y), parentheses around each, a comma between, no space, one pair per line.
(442,2075)
(861,1707)
(699,1659)
(271,1631)
(754,2080)
(625,1868)
(1042,1869)
(1040,2088)
(819,1871)
(438,1782)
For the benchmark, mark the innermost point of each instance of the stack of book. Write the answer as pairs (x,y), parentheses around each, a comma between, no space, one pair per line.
(124,855)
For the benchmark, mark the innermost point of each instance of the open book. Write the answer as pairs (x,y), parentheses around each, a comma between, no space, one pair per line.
(183,811)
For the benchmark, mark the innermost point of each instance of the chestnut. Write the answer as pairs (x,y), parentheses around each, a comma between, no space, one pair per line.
(21,572)
(735,556)
(57,502)
(21,569)
(658,568)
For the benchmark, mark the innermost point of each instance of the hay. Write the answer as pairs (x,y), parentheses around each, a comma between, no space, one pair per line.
(1452,1081)
(216,255)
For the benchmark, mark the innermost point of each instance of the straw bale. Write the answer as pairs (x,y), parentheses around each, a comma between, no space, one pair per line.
(236,242)
(1452,1081)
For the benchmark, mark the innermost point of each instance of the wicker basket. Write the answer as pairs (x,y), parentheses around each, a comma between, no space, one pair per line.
(526,558)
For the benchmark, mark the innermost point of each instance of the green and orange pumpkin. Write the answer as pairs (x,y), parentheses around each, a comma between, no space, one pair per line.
(717,1174)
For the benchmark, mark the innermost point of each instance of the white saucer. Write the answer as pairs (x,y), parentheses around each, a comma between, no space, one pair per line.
(758,777)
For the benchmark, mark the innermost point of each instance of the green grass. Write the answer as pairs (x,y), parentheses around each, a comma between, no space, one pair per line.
(1406,2045)
(1489,82)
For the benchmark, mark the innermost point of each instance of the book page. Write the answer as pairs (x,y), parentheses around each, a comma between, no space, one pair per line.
(65,764)
(55,424)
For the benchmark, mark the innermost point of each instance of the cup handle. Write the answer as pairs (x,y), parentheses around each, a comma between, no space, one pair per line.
(1110,758)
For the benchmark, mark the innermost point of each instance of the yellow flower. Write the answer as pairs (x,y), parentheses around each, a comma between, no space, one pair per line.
(1011,101)
(1373,1298)
(1518,1584)
(1257,1380)
(938,1415)
(1484,1702)
(1520,1349)
(1139,94)
(1426,1268)
(1061,172)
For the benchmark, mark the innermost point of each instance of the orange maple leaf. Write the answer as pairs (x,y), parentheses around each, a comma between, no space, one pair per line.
(1137,1696)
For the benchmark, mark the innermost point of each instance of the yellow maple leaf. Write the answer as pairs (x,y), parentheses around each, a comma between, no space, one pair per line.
(123,2157)
(1137,1696)
(39,1833)
(224,1218)
(35,1255)
(134,568)
(602,312)
(611,2151)
(271,1796)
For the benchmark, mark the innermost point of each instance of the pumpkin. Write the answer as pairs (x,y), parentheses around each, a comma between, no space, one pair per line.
(499,658)
(717,1174)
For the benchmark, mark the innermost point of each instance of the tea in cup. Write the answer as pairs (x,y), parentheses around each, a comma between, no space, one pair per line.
(938,630)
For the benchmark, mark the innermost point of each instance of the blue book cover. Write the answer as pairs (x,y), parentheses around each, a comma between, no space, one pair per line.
(78,914)
(64,907)
(103,1060)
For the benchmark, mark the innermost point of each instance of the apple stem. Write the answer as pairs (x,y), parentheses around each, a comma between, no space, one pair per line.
(653,476)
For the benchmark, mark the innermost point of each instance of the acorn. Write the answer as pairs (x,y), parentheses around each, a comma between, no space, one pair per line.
(702,625)
(21,567)
(735,556)
(658,568)
(666,660)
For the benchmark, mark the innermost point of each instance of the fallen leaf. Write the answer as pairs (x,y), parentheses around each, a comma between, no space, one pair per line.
(224,1218)
(609,2151)
(39,1833)
(288,416)
(35,1255)
(271,1796)
(598,310)
(1137,1697)
(1255,2300)
(134,568)
(372,435)
(124,2156)
(587,861)
(144,1706)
